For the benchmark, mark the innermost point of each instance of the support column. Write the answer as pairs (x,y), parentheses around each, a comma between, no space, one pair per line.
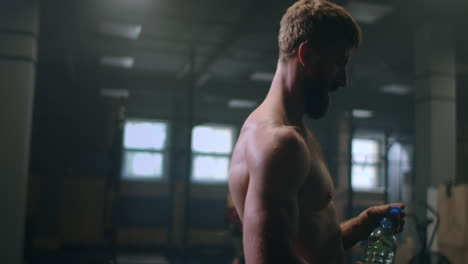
(462,104)
(435,132)
(344,193)
(18,41)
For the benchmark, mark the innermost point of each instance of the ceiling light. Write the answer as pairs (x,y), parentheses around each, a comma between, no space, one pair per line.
(398,89)
(360,113)
(115,93)
(368,13)
(262,76)
(123,62)
(130,31)
(242,103)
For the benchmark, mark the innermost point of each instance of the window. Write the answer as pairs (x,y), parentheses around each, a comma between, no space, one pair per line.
(144,149)
(366,165)
(211,150)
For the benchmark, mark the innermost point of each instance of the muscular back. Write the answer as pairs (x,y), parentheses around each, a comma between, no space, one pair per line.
(280,184)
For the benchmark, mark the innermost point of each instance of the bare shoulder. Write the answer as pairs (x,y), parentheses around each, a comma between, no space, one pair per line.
(272,140)
(275,152)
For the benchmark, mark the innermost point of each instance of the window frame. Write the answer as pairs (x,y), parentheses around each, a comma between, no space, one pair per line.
(235,132)
(165,151)
(379,164)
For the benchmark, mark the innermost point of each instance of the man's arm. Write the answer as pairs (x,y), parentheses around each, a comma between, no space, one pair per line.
(360,227)
(277,169)
(349,232)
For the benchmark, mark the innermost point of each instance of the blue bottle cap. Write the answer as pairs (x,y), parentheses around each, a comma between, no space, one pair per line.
(395,210)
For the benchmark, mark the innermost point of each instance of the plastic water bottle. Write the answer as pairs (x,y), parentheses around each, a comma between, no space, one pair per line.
(382,242)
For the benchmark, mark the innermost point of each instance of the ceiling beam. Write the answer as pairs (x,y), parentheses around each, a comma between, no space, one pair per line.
(229,38)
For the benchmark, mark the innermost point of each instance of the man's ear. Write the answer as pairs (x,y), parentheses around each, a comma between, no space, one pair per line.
(304,53)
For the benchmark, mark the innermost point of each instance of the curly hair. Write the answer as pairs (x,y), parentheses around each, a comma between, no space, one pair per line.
(320,22)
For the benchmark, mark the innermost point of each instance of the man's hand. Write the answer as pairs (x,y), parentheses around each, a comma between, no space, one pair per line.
(361,227)
(370,219)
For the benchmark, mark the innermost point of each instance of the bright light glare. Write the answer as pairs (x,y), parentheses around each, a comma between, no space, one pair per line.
(210,139)
(122,62)
(262,76)
(143,165)
(364,177)
(365,164)
(361,113)
(130,31)
(365,150)
(367,12)
(210,168)
(145,135)
(241,103)
(397,89)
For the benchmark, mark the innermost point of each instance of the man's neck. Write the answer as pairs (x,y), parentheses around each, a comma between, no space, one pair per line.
(286,92)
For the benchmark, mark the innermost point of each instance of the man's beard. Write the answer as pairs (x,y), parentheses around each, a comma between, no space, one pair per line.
(316,98)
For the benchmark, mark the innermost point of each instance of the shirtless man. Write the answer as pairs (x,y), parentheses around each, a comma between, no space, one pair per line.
(278,179)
